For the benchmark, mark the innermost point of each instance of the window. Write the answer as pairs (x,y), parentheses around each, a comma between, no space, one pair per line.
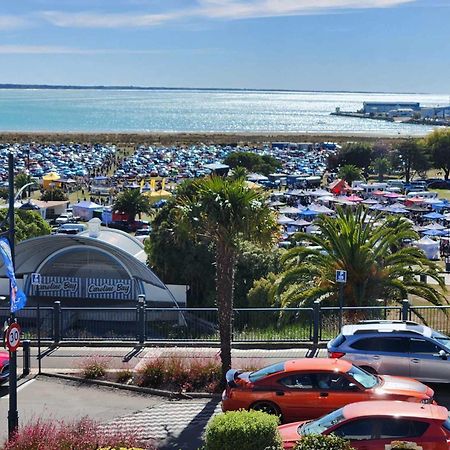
(400,428)
(394,345)
(422,346)
(297,381)
(338,340)
(332,381)
(356,430)
(320,425)
(361,376)
(274,368)
(366,344)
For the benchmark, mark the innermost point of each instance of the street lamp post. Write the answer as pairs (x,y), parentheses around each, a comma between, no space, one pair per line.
(13,415)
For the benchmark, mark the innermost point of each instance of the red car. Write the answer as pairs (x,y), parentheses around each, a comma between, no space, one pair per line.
(4,366)
(311,387)
(373,425)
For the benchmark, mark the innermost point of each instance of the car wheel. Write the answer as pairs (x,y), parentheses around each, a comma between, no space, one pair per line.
(369,369)
(267,407)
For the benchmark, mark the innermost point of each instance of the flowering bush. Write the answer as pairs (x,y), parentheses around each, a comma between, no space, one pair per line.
(94,367)
(83,434)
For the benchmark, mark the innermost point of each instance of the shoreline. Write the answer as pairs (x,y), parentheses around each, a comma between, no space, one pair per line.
(187,138)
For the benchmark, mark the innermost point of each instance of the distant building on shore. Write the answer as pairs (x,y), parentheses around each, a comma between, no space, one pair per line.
(387,107)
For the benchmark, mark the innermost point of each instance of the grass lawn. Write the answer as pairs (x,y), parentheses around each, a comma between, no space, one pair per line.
(442,193)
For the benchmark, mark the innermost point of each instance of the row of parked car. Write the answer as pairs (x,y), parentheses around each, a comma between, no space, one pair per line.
(370,390)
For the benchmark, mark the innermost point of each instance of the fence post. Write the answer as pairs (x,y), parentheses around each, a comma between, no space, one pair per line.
(57,322)
(316,322)
(141,319)
(405,310)
(26,357)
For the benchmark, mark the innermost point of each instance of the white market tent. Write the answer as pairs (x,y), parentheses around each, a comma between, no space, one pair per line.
(85,210)
(429,247)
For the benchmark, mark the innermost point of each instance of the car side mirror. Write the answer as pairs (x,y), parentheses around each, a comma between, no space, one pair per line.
(443,355)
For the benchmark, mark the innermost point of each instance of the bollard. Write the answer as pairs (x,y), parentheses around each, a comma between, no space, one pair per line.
(141,319)
(26,357)
(405,310)
(316,322)
(57,322)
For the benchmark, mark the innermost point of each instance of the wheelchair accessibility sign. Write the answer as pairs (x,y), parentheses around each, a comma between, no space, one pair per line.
(341,276)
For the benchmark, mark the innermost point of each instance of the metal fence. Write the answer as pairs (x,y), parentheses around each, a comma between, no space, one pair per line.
(250,325)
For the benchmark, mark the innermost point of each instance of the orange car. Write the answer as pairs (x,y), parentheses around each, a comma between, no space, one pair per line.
(374,425)
(311,387)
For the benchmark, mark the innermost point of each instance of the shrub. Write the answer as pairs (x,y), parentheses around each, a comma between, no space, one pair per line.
(323,442)
(83,434)
(94,367)
(248,430)
(124,375)
(151,374)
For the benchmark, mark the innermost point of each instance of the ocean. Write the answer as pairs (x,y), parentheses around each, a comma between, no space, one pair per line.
(74,110)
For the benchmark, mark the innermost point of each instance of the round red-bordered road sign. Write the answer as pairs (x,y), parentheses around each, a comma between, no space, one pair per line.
(13,337)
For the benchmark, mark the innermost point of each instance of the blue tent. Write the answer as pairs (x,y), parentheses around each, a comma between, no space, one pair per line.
(308,213)
(435,233)
(433,216)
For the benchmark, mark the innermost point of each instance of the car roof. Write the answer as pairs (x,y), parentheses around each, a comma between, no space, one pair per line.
(338,365)
(387,326)
(395,409)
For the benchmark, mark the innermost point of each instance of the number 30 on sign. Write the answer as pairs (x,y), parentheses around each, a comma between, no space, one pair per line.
(13,337)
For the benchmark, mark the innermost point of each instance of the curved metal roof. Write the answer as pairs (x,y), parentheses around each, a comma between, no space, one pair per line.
(31,253)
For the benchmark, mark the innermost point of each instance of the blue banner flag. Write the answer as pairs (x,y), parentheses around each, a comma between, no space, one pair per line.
(18,297)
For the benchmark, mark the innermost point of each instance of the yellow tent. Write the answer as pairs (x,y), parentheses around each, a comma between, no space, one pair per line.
(50,178)
(159,194)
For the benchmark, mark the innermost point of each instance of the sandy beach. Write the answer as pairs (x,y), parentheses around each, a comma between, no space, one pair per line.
(168,138)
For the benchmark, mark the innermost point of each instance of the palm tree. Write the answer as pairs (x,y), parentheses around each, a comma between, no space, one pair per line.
(224,211)
(132,203)
(378,265)
(381,167)
(350,173)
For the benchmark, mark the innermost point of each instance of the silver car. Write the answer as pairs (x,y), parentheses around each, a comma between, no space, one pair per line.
(395,348)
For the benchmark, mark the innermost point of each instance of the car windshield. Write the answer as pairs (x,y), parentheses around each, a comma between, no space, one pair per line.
(269,370)
(362,377)
(320,425)
(442,339)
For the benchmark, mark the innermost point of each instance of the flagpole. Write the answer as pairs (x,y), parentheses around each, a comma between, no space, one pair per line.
(13,415)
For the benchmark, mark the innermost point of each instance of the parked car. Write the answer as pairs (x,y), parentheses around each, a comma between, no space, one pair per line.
(71,228)
(374,425)
(311,387)
(64,218)
(4,366)
(395,348)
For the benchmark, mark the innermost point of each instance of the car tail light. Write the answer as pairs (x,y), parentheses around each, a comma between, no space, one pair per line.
(336,354)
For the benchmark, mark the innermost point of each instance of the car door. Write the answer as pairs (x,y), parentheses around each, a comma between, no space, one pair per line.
(391,356)
(425,361)
(296,396)
(334,390)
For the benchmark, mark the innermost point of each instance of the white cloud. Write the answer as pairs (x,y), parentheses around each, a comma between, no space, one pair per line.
(12,22)
(214,9)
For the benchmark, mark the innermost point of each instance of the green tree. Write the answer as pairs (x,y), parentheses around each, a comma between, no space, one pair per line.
(54,195)
(356,154)
(350,173)
(20,180)
(377,263)
(414,158)
(239,172)
(438,142)
(28,224)
(132,203)
(381,167)
(224,212)
(264,164)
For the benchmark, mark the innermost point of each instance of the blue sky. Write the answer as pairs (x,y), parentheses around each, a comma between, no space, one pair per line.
(380,45)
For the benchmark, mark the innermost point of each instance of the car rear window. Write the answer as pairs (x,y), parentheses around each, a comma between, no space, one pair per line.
(264,372)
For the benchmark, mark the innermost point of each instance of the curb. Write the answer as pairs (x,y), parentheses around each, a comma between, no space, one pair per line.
(127,387)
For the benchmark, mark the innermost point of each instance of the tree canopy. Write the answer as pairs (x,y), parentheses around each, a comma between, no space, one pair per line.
(413,158)
(356,154)
(132,203)
(438,143)
(54,195)
(350,173)
(264,164)
(28,224)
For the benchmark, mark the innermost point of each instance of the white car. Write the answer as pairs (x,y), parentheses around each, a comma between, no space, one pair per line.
(64,218)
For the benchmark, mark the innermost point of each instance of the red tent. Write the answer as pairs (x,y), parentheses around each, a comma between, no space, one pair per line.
(338,186)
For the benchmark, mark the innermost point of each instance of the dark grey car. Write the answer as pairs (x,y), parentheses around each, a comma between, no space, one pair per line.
(395,348)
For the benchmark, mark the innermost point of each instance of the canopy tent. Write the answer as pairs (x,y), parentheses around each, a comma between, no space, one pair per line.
(255,177)
(434,226)
(308,213)
(289,210)
(85,210)
(377,207)
(320,209)
(338,186)
(318,193)
(434,233)
(50,178)
(326,198)
(354,198)
(392,195)
(434,216)
(429,247)
(284,220)
(301,223)
(369,201)
(276,204)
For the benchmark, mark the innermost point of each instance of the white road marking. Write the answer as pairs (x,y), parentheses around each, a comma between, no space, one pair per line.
(23,385)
